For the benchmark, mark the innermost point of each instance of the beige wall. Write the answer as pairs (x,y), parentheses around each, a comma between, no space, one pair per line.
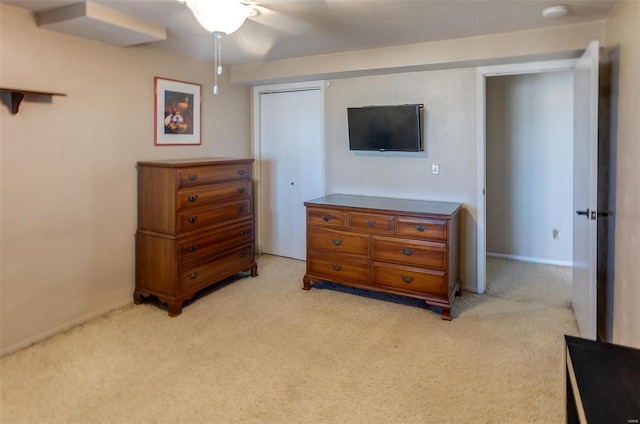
(622,30)
(68,178)
(450,129)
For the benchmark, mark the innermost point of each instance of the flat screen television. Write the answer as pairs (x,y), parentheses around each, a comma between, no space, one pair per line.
(386,128)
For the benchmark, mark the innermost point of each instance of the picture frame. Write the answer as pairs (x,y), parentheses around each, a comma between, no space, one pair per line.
(178,112)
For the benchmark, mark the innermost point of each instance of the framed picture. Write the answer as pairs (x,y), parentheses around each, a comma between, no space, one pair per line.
(177,112)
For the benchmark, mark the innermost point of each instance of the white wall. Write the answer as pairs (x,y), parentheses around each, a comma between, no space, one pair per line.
(449,100)
(622,30)
(529,167)
(68,177)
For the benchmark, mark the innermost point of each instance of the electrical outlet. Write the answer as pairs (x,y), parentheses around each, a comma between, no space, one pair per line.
(435,168)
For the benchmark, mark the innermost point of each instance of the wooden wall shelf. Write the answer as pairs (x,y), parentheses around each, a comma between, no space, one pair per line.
(18,94)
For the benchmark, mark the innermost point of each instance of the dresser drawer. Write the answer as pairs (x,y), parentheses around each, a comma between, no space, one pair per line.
(222,267)
(409,279)
(209,195)
(205,175)
(339,242)
(434,229)
(423,254)
(196,219)
(327,218)
(373,223)
(339,268)
(212,243)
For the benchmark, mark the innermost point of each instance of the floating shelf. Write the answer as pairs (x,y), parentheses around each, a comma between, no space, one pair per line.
(18,94)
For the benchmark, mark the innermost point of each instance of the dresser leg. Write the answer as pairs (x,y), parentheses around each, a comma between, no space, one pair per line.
(254,270)
(306,283)
(137,297)
(175,308)
(446,313)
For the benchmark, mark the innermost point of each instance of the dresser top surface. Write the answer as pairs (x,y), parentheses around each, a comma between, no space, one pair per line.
(186,163)
(386,204)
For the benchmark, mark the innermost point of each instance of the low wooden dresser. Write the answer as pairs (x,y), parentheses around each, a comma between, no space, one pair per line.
(402,247)
(195,227)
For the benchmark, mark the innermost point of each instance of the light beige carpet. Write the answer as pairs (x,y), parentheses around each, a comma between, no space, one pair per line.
(262,350)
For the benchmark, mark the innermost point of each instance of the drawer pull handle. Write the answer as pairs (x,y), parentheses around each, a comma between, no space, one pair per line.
(193,276)
(371,223)
(193,198)
(244,232)
(337,242)
(192,219)
(241,172)
(193,248)
(193,177)
(407,251)
(326,218)
(336,267)
(420,228)
(240,208)
(243,255)
(240,189)
(406,279)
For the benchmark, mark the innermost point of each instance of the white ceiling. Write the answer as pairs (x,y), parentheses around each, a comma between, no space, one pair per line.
(293,28)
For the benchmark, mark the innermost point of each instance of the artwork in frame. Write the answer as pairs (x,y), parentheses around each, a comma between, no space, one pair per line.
(177,112)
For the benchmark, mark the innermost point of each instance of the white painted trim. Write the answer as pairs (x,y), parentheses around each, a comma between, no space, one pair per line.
(528,68)
(481,119)
(529,259)
(23,344)
(481,101)
(255,130)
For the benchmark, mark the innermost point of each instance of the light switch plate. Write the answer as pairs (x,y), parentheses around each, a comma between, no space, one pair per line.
(435,168)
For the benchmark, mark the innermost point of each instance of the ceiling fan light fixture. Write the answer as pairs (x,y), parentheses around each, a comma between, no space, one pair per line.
(224,16)
(556,11)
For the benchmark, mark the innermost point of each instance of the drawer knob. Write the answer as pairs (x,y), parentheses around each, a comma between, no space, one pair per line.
(240,189)
(241,172)
(336,267)
(244,232)
(326,218)
(243,255)
(193,197)
(192,177)
(193,248)
(193,276)
(420,228)
(407,251)
(371,223)
(406,279)
(240,208)
(337,242)
(192,219)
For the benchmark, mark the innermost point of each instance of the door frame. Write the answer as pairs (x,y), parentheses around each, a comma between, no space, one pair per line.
(256,142)
(481,124)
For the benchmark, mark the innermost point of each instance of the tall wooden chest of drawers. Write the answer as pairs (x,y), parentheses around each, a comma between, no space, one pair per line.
(195,227)
(402,247)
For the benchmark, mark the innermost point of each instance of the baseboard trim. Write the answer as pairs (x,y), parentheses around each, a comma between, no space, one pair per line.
(529,259)
(63,327)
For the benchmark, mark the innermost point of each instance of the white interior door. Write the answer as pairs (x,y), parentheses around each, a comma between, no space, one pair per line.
(585,191)
(291,167)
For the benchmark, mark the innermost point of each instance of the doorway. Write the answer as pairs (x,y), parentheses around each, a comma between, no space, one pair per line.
(529,167)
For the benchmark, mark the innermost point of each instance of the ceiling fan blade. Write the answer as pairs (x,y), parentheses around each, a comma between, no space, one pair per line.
(279,21)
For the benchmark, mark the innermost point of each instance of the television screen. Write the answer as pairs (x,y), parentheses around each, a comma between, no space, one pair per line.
(385,128)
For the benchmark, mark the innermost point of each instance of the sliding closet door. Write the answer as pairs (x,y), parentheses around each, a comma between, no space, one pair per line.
(291,168)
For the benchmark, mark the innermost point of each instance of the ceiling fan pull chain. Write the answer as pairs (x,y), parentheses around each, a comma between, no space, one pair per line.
(216,60)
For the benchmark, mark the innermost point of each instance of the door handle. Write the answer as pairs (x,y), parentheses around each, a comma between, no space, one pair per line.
(585,213)
(598,214)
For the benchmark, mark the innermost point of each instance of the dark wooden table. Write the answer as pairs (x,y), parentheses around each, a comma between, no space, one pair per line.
(603,382)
